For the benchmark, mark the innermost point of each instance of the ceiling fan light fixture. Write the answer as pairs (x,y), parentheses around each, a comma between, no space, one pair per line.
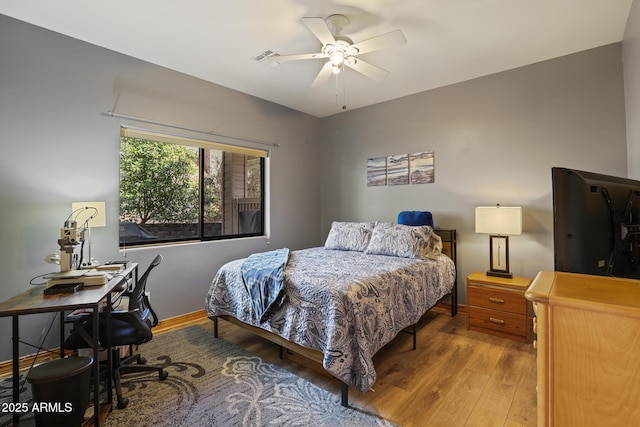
(337,58)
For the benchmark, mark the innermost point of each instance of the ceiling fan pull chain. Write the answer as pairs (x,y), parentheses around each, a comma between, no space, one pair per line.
(337,91)
(344,87)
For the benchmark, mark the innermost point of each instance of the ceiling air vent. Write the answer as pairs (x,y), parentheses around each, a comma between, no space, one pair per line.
(266,58)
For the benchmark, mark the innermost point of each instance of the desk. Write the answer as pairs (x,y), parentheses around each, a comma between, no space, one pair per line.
(34,301)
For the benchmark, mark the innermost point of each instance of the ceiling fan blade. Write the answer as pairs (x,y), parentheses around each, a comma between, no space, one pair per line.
(323,75)
(383,41)
(319,28)
(285,58)
(371,71)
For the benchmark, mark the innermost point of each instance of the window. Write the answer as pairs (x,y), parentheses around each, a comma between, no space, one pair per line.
(177,189)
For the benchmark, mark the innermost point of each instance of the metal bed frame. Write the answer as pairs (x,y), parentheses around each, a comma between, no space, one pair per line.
(448,248)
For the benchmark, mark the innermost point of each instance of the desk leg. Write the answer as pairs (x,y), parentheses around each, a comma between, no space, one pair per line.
(62,334)
(16,367)
(109,351)
(96,369)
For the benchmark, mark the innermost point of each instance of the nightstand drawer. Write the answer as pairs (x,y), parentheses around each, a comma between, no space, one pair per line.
(498,299)
(507,323)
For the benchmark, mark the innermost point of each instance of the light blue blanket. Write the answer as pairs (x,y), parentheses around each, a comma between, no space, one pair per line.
(263,276)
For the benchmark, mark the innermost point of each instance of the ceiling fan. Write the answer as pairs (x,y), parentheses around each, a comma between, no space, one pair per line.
(339,50)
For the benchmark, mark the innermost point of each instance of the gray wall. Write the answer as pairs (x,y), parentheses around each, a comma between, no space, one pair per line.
(631,59)
(57,148)
(495,140)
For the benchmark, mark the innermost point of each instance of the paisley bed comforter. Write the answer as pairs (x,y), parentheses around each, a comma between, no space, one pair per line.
(345,304)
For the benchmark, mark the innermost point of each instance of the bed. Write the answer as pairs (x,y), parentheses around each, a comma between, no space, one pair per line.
(340,303)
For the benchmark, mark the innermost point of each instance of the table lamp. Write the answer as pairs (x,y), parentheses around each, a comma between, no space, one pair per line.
(89,214)
(499,222)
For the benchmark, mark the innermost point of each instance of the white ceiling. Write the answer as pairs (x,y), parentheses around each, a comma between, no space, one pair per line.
(448,41)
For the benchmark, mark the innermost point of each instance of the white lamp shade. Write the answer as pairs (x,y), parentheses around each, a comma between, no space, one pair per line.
(99,218)
(504,220)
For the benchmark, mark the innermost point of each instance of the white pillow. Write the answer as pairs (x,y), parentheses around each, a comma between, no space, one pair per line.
(349,236)
(403,241)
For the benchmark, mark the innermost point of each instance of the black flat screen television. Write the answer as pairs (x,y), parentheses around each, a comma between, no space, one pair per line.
(596,223)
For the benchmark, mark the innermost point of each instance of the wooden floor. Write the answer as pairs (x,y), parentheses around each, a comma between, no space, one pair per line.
(455,377)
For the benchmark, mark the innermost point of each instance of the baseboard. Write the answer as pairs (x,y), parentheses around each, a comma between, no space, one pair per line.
(445,308)
(179,321)
(6,367)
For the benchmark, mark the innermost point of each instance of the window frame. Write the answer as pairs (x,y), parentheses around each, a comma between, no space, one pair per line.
(201,145)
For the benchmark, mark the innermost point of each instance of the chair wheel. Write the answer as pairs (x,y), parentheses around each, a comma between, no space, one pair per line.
(123,403)
(141,360)
(163,375)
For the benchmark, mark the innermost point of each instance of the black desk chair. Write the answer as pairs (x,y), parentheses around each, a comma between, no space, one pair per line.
(128,328)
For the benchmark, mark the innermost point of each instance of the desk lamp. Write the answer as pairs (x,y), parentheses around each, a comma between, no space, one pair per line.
(499,222)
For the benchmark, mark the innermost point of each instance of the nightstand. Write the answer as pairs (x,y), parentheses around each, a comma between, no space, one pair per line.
(497,306)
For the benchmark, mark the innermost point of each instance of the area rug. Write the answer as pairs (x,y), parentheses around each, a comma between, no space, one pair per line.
(215,383)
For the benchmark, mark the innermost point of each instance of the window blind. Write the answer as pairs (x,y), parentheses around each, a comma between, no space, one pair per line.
(193,142)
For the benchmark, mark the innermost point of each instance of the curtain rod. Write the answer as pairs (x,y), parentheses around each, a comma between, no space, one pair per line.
(110,113)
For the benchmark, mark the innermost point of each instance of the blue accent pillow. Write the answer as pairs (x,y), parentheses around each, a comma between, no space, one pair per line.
(415,218)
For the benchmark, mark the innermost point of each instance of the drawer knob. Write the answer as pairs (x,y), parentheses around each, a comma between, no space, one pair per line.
(496,300)
(494,320)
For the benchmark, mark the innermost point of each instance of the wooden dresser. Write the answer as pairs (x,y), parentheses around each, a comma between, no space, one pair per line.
(588,349)
(497,306)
